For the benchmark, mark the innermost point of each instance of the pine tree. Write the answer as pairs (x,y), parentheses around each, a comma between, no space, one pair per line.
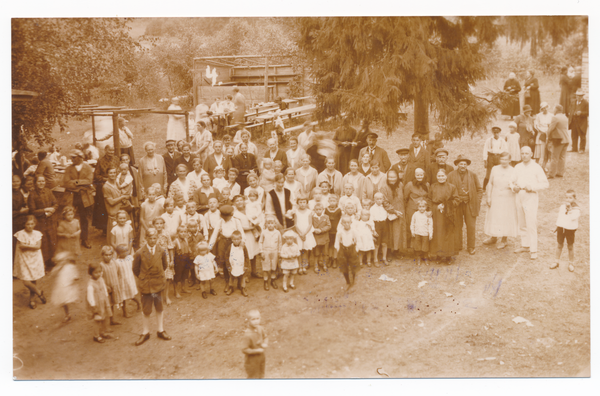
(367,67)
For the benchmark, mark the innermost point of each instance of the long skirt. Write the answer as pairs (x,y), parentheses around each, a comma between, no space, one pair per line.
(443,243)
(513,109)
(99,217)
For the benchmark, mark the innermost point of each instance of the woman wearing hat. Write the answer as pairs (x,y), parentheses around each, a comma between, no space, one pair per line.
(541,124)
(525,128)
(512,87)
(532,92)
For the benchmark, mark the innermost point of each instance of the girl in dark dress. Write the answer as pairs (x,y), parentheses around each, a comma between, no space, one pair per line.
(512,87)
(444,197)
(532,92)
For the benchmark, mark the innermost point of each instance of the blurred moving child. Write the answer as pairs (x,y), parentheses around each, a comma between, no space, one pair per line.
(254,343)
(238,263)
(304,228)
(567,223)
(68,232)
(122,233)
(421,228)
(112,279)
(166,243)
(151,209)
(65,289)
(290,253)
(345,244)
(321,225)
(129,289)
(365,234)
(205,269)
(98,301)
(382,228)
(267,176)
(335,214)
(181,260)
(269,245)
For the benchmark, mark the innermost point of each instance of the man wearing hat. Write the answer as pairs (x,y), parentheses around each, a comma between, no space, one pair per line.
(377,153)
(441,156)
(469,194)
(579,122)
(418,157)
(78,183)
(171,158)
(525,128)
(400,166)
(493,147)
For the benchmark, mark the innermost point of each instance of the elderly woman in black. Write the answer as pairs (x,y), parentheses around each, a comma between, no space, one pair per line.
(43,205)
(532,92)
(512,87)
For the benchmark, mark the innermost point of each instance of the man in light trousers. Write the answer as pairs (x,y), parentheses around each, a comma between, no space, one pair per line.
(529,179)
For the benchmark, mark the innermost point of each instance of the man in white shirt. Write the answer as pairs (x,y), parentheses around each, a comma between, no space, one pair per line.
(529,179)
(493,147)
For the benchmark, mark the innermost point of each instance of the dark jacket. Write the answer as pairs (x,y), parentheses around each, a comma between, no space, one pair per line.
(280,156)
(579,122)
(150,269)
(475,190)
(211,163)
(79,183)
(170,165)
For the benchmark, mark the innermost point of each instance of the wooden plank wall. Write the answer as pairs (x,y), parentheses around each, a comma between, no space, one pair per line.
(253,94)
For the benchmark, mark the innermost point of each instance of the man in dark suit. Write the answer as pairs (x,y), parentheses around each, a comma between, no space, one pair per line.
(400,166)
(171,157)
(245,163)
(418,157)
(579,122)
(377,153)
(149,265)
(77,180)
(215,159)
(275,154)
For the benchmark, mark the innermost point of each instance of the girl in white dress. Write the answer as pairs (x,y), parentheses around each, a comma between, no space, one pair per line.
(290,252)
(65,289)
(364,232)
(254,212)
(206,267)
(514,149)
(122,232)
(29,263)
(251,242)
(304,229)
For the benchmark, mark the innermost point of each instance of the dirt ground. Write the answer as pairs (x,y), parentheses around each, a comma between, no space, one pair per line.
(434,321)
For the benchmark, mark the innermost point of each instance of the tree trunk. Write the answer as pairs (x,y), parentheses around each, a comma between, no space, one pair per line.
(421,109)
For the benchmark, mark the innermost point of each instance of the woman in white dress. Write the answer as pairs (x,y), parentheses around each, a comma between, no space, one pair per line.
(294,154)
(501,218)
(306,174)
(541,124)
(176,123)
(183,185)
(29,262)
(357,180)
(251,243)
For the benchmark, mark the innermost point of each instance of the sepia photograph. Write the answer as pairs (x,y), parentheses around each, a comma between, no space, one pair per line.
(300,197)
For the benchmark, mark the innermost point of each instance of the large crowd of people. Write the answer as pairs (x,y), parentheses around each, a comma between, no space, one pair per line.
(211,208)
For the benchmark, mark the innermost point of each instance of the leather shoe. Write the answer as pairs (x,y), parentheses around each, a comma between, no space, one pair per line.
(266,286)
(472,251)
(554,265)
(229,291)
(213,292)
(273,284)
(522,250)
(86,244)
(490,241)
(244,292)
(143,338)
(163,334)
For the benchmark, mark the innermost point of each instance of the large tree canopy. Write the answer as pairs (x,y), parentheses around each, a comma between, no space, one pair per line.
(62,59)
(367,67)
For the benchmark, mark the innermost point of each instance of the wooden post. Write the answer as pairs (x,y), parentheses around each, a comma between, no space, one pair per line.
(266,79)
(187,127)
(116,142)
(93,129)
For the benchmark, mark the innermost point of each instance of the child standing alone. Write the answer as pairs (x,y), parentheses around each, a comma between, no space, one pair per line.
(345,244)
(290,252)
(304,229)
(254,344)
(421,228)
(269,245)
(566,225)
(97,298)
(68,232)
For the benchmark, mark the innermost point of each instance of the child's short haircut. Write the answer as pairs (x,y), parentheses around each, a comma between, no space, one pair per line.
(31,218)
(234,170)
(379,195)
(334,196)
(319,205)
(213,198)
(190,204)
(168,201)
(349,185)
(271,218)
(278,163)
(416,135)
(122,249)
(93,267)
(178,197)
(267,161)
(422,202)
(571,191)
(202,245)
(350,204)
(157,219)
(253,312)
(374,163)
(151,190)
(106,249)
(120,212)
(67,209)
(317,189)
(302,197)
(157,187)
(192,221)
(365,211)
(181,227)
(236,233)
